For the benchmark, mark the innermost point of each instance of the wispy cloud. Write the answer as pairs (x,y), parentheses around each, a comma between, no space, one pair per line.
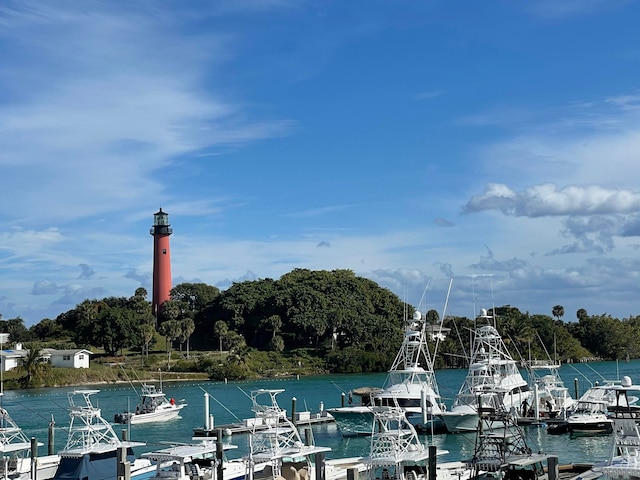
(563,9)
(429,94)
(315,212)
(115,101)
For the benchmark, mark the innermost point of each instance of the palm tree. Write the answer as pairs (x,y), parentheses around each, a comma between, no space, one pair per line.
(221,329)
(187,327)
(558,311)
(171,330)
(33,366)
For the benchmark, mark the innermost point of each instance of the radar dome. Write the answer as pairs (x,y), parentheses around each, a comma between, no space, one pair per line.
(483,312)
(626,381)
(417,315)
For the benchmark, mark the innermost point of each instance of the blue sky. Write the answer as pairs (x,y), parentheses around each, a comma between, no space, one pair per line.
(494,143)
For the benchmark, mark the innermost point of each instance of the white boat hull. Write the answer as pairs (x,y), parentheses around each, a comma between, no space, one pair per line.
(353,421)
(157,416)
(45,469)
(457,422)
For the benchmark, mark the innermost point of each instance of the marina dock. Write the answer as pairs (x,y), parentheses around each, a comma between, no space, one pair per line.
(249,425)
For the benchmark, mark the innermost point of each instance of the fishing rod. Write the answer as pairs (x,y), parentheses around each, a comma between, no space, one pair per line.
(220,403)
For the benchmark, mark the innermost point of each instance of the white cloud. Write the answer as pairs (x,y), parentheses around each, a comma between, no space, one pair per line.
(548,200)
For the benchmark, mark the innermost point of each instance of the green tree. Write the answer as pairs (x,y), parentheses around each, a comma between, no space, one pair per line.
(187,326)
(47,329)
(221,329)
(432,317)
(171,329)
(15,327)
(196,295)
(86,318)
(277,344)
(33,367)
(144,320)
(116,328)
(558,311)
(272,324)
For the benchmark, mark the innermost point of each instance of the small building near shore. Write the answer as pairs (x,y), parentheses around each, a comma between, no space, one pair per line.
(73,358)
(10,359)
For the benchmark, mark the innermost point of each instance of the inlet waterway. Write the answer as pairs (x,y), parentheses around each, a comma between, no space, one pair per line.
(229,402)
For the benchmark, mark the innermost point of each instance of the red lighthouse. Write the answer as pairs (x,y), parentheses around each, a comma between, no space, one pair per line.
(161,260)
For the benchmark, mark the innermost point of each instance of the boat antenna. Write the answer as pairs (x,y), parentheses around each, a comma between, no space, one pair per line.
(522,359)
(129,380)
(545,348)
(473,297)
(444,311)
(424,294)
(582,374)
(596,372)
(3,338)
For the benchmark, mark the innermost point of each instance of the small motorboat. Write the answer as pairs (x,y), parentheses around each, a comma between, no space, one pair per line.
(590,417)
(154,406)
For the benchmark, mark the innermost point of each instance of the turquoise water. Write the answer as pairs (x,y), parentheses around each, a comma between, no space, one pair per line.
(230,402)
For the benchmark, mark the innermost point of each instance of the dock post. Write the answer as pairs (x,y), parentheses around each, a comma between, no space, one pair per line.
(575,387)
(34,458)
(51,444)
(432,462)
(125,435)
(308,438)
(207,425)
(423,405)
(320,472)
(553,471)
(219,457)
(352,473)
(293,410)
(123,471)
(342,399)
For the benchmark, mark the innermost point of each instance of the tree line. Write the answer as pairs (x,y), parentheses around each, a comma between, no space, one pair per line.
(348,322)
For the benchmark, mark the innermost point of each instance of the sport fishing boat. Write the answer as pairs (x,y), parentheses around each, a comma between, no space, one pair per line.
(19,454)
(624,460)
(501,452)
(92,446)
(355,419)
(154,406)
(277,450)
(551,399)
(410,384)
(16,450)
(203,459)
(397,453)
(493,380)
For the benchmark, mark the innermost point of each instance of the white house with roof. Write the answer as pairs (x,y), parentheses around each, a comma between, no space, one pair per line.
(73,358)
(10,359)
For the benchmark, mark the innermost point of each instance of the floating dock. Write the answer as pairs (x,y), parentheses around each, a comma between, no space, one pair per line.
(248,425)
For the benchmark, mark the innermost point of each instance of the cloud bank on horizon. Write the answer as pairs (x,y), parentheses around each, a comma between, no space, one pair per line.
(490,143)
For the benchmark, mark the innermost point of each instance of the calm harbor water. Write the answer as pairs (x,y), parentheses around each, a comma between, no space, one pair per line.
(230,402)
